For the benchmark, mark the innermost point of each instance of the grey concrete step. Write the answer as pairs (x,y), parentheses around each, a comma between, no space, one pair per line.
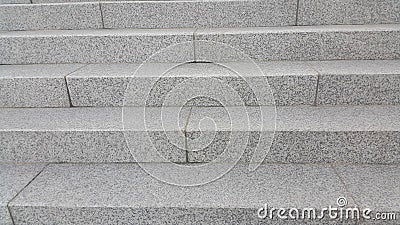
(94,46)
(13,178)
(331,42)
(126,194)
(346,82)
(148,14)
(260,44)
(35,85)
(71,16)
(201,84)
(91,135)
(319,12)
(302,134)
(354,82)
(195,13)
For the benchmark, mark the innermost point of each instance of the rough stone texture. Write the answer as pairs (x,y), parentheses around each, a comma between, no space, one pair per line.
(95,46)
(358,82)
(233,13)
(62,1)
(14,177)
(34,85)
(373,186)
(50,16)
(14,1)
(88,135)
(124,193)
(318,12)
(299,43)
(303,135)
(100,84)
(290,83)
(293,83)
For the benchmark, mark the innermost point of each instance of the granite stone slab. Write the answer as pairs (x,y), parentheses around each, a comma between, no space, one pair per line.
(365,82)
(63,1)
(95,46)
(14,177)
(304,134)
(375,187)
(91,135)
(14,1)
(174,14)
(198,84)
(50,16)
(100,84)
(124,193)
(34,85)
(318,12)
(299,43)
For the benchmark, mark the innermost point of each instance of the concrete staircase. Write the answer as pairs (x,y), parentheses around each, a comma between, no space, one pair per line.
(198,112)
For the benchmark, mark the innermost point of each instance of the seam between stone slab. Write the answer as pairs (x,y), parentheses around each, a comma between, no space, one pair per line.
(317,89)
(101,14)
(8,203)
(297,12)
(344,184)
(67,86)
(186,136)
(318,80)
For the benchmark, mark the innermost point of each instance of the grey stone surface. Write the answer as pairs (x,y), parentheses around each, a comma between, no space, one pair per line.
(124,193)
(299,43)
(14,1)
(63,1)
(293,83)
(90,135)
(34,85)
(50,16)
(159,14)
(353,134)
(290,83)
(373,186)
(358,82)
(14,177)
(95,46)
(317,12)
(100,84)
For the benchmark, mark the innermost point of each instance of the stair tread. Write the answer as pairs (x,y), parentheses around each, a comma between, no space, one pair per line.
(14,177)
(127,185)
(75,188)
(203,31)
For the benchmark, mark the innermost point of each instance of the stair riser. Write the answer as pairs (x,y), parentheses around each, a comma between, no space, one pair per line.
(288,147)
(94,47)
(162,14)
(291,83)
(168,14)
(308,44)
(320,12)
(251,91)
(86,146)
(261,44)
(50,17)
(300,147)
